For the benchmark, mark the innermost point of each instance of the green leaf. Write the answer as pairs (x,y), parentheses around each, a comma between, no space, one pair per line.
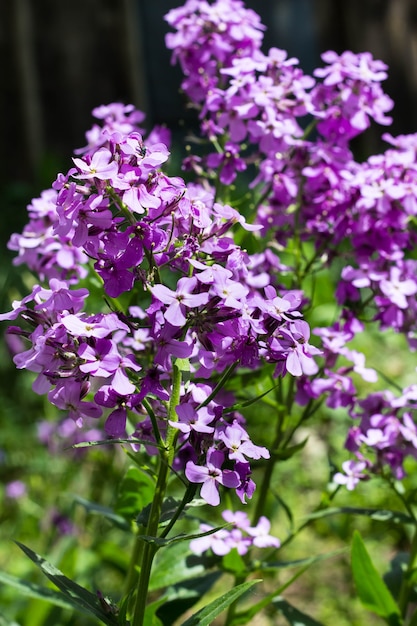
(206,615)
(243,405)
(182,596)
(135,493)
(37,592)
(234,563)
(183,364)
(164,575)
(151,619)
(110,442)
(380,515)
(372,591)
(293,615)
(159,541)
(78,597)
(102,511)
(271,566)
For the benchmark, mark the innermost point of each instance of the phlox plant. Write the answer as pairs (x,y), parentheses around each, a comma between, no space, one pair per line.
(171,316)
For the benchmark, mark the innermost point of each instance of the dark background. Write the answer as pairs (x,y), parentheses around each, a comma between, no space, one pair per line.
(62,58)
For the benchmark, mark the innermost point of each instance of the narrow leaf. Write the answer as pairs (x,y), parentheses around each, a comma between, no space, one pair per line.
(293,615)
(159,541)
(372,591)
(206,615)
(109,442)
(245,617)
(37,592)
(272,565)
(80,598)
(102,511)
(380,515)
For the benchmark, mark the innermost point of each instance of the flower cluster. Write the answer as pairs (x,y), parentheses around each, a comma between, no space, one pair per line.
(179,291)
(291,135)
(384,437)
(241,536)
(202,299)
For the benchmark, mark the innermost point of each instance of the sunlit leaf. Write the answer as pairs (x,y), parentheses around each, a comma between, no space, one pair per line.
(78,597)
(206,615)
(135,492)
(163,574)
(38,592)
(372,591)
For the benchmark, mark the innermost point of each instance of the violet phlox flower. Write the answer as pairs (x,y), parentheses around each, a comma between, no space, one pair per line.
(191,418)
(242,536)
(41,249)
(297,352)
(211,475)
(350,94)
(100,165)
(179,299)
(353,473)
(68,396)
(386,432)
(208,35)
(238,444)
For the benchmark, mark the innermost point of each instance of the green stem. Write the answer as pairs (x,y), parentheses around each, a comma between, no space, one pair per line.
(150,547)
(284,409)
(406,582)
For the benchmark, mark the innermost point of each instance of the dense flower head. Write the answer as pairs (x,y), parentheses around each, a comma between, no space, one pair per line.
(383,437)
(199,297)
(209,34)
(179,290)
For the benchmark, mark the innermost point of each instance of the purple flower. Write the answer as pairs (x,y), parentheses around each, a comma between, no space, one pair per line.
(211,475)
(261,536)
(68,396)
(15,489)
(179,299)
(353,472)
(100,166)
(192,419)
(238,444)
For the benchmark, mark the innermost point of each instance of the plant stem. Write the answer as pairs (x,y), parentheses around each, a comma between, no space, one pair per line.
(151,547)
(283,410)
(406,582)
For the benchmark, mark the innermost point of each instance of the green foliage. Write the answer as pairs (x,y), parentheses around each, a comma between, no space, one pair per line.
(372,591)
(206,615)
(75,595)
